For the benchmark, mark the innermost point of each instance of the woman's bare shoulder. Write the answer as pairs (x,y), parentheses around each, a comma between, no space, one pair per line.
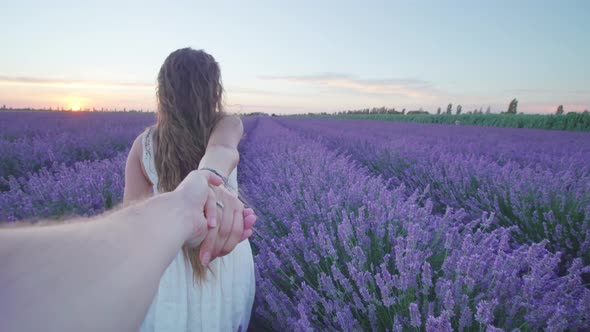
(137,146)
(137,149)
(140,139)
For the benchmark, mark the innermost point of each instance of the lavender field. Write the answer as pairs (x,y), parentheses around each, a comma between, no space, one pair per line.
(363,225)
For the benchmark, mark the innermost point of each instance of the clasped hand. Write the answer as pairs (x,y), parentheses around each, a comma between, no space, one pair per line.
(220,222)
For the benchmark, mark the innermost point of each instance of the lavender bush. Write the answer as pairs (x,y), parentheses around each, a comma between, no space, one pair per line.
(31,141)
(85,188)
(54,163)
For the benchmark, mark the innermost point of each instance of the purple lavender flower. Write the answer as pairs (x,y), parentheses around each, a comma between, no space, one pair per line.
(466,318)
(426,278)
(415,318)
(438,324)
(491,328)
(485,311)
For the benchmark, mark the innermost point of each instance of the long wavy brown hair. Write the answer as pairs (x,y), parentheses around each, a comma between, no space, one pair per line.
(190,104)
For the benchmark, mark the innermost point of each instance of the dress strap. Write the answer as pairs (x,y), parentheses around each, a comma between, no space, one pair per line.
(148,156)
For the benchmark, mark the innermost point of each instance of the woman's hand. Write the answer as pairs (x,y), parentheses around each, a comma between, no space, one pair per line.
(234,224)
(196,199)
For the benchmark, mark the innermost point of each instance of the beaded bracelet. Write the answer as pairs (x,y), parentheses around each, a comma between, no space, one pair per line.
(225,180)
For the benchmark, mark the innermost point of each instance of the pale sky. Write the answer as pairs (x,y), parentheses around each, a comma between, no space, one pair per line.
(302,56)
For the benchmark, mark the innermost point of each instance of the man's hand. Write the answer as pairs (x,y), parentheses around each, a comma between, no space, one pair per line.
(216,230)
(194,193)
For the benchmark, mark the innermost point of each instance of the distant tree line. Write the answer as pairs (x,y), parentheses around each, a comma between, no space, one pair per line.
(512,109)
(381,110)
(257,114)
(509,118)
(374,110)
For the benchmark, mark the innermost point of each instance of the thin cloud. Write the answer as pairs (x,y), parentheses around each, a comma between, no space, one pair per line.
(407,87)
(254,91)
(280,109)
(256,106)
(65,83)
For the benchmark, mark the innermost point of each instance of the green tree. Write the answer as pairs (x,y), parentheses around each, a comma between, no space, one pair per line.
(438,110)
(512,108)
(559,110)
(449,108)
(459,109)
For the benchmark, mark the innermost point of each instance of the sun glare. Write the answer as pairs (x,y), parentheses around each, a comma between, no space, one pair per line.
(75,108)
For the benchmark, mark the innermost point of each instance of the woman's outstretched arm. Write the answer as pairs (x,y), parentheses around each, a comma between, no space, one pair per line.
(222,149)
(222,156)
(99,275)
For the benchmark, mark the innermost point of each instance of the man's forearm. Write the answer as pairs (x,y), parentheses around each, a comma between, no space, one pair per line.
(99,275)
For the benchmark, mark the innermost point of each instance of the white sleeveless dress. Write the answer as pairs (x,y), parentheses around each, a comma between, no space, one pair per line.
(220,302)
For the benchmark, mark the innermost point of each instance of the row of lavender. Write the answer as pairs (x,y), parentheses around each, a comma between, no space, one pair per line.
(536,180)
(33,140)
(85,188)
(340,250)
(59,164)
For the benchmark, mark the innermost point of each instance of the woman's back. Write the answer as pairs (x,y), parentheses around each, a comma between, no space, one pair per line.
(221,301)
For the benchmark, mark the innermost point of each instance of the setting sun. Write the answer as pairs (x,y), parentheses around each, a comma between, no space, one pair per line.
(75,108)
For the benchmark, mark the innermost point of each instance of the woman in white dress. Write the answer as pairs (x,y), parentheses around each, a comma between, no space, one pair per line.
(192,297)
